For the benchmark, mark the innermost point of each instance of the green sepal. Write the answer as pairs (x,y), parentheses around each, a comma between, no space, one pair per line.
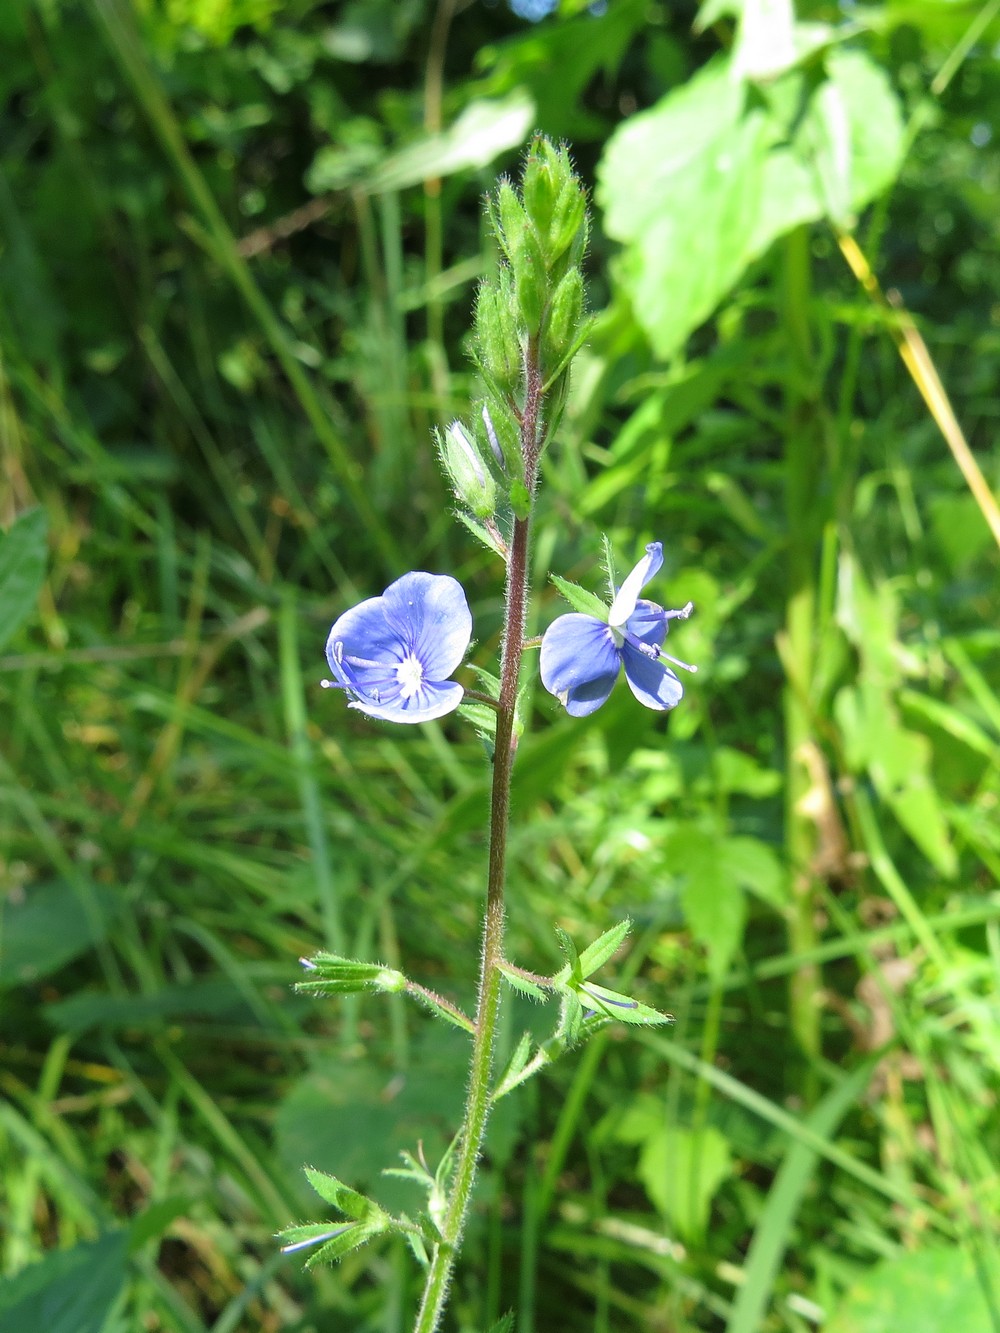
(618,1008)
(352,1238)
(330,974)
(468,471)
(562,324)
(522,984)
(487,534)
(507,430)
(580,599)
(498,337)
(541,183)
(604,947)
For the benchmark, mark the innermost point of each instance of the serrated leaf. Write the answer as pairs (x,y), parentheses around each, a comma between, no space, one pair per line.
(505,1324)
(580,599)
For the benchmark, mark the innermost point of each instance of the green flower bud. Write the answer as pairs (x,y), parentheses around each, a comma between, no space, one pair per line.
(530,278)
(564,320)
(471,479)
(568,218)
(498,340)
(506,434)
(543,174)
(509,219)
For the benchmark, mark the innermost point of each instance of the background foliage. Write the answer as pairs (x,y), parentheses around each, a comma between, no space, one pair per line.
(239,242)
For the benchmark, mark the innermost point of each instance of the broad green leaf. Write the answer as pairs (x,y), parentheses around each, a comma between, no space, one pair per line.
(49,925)
(765,43)
(483,131)
(680,184)
(23,555)
(753,864)
(680,1169)
(713,890)
(580,599)
(355,1117)
(69,1291)
(934,1288)
(699,186)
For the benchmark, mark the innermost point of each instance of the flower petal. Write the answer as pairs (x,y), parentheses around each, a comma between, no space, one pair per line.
(579,662)
(650,681)
(624,604)
(648,622)
(431,700)
(364,635)
(431,617)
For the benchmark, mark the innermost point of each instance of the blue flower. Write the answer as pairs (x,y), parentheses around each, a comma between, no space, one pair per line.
(393,654)
(582,656)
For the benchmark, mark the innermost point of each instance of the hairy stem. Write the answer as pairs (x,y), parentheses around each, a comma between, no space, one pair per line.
(477,1100)
(478,1096)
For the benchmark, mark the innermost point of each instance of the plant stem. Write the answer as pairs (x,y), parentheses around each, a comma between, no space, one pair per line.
(477,1099)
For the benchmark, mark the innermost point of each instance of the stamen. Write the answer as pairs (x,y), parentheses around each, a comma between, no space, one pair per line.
(682,614)
(677,662)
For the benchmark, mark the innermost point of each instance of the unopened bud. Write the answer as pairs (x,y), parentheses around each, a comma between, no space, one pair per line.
(470,477)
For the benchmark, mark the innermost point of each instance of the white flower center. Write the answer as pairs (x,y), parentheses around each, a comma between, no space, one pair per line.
(409,676)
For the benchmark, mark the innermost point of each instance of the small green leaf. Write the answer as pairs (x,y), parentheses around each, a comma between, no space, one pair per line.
(568,949)
(341,1196)
(511,1076)
(440,1008)
(580,599)
(505,1324)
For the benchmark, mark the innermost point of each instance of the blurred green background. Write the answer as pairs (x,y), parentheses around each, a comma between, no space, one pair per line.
(239,245)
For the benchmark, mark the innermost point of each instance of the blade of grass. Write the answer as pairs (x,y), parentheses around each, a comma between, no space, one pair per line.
(773,1232)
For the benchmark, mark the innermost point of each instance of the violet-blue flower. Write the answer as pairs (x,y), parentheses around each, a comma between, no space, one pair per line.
(582,655)
(393,654)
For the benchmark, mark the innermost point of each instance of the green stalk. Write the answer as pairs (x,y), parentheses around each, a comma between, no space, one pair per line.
(477,1102)
(803,462)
